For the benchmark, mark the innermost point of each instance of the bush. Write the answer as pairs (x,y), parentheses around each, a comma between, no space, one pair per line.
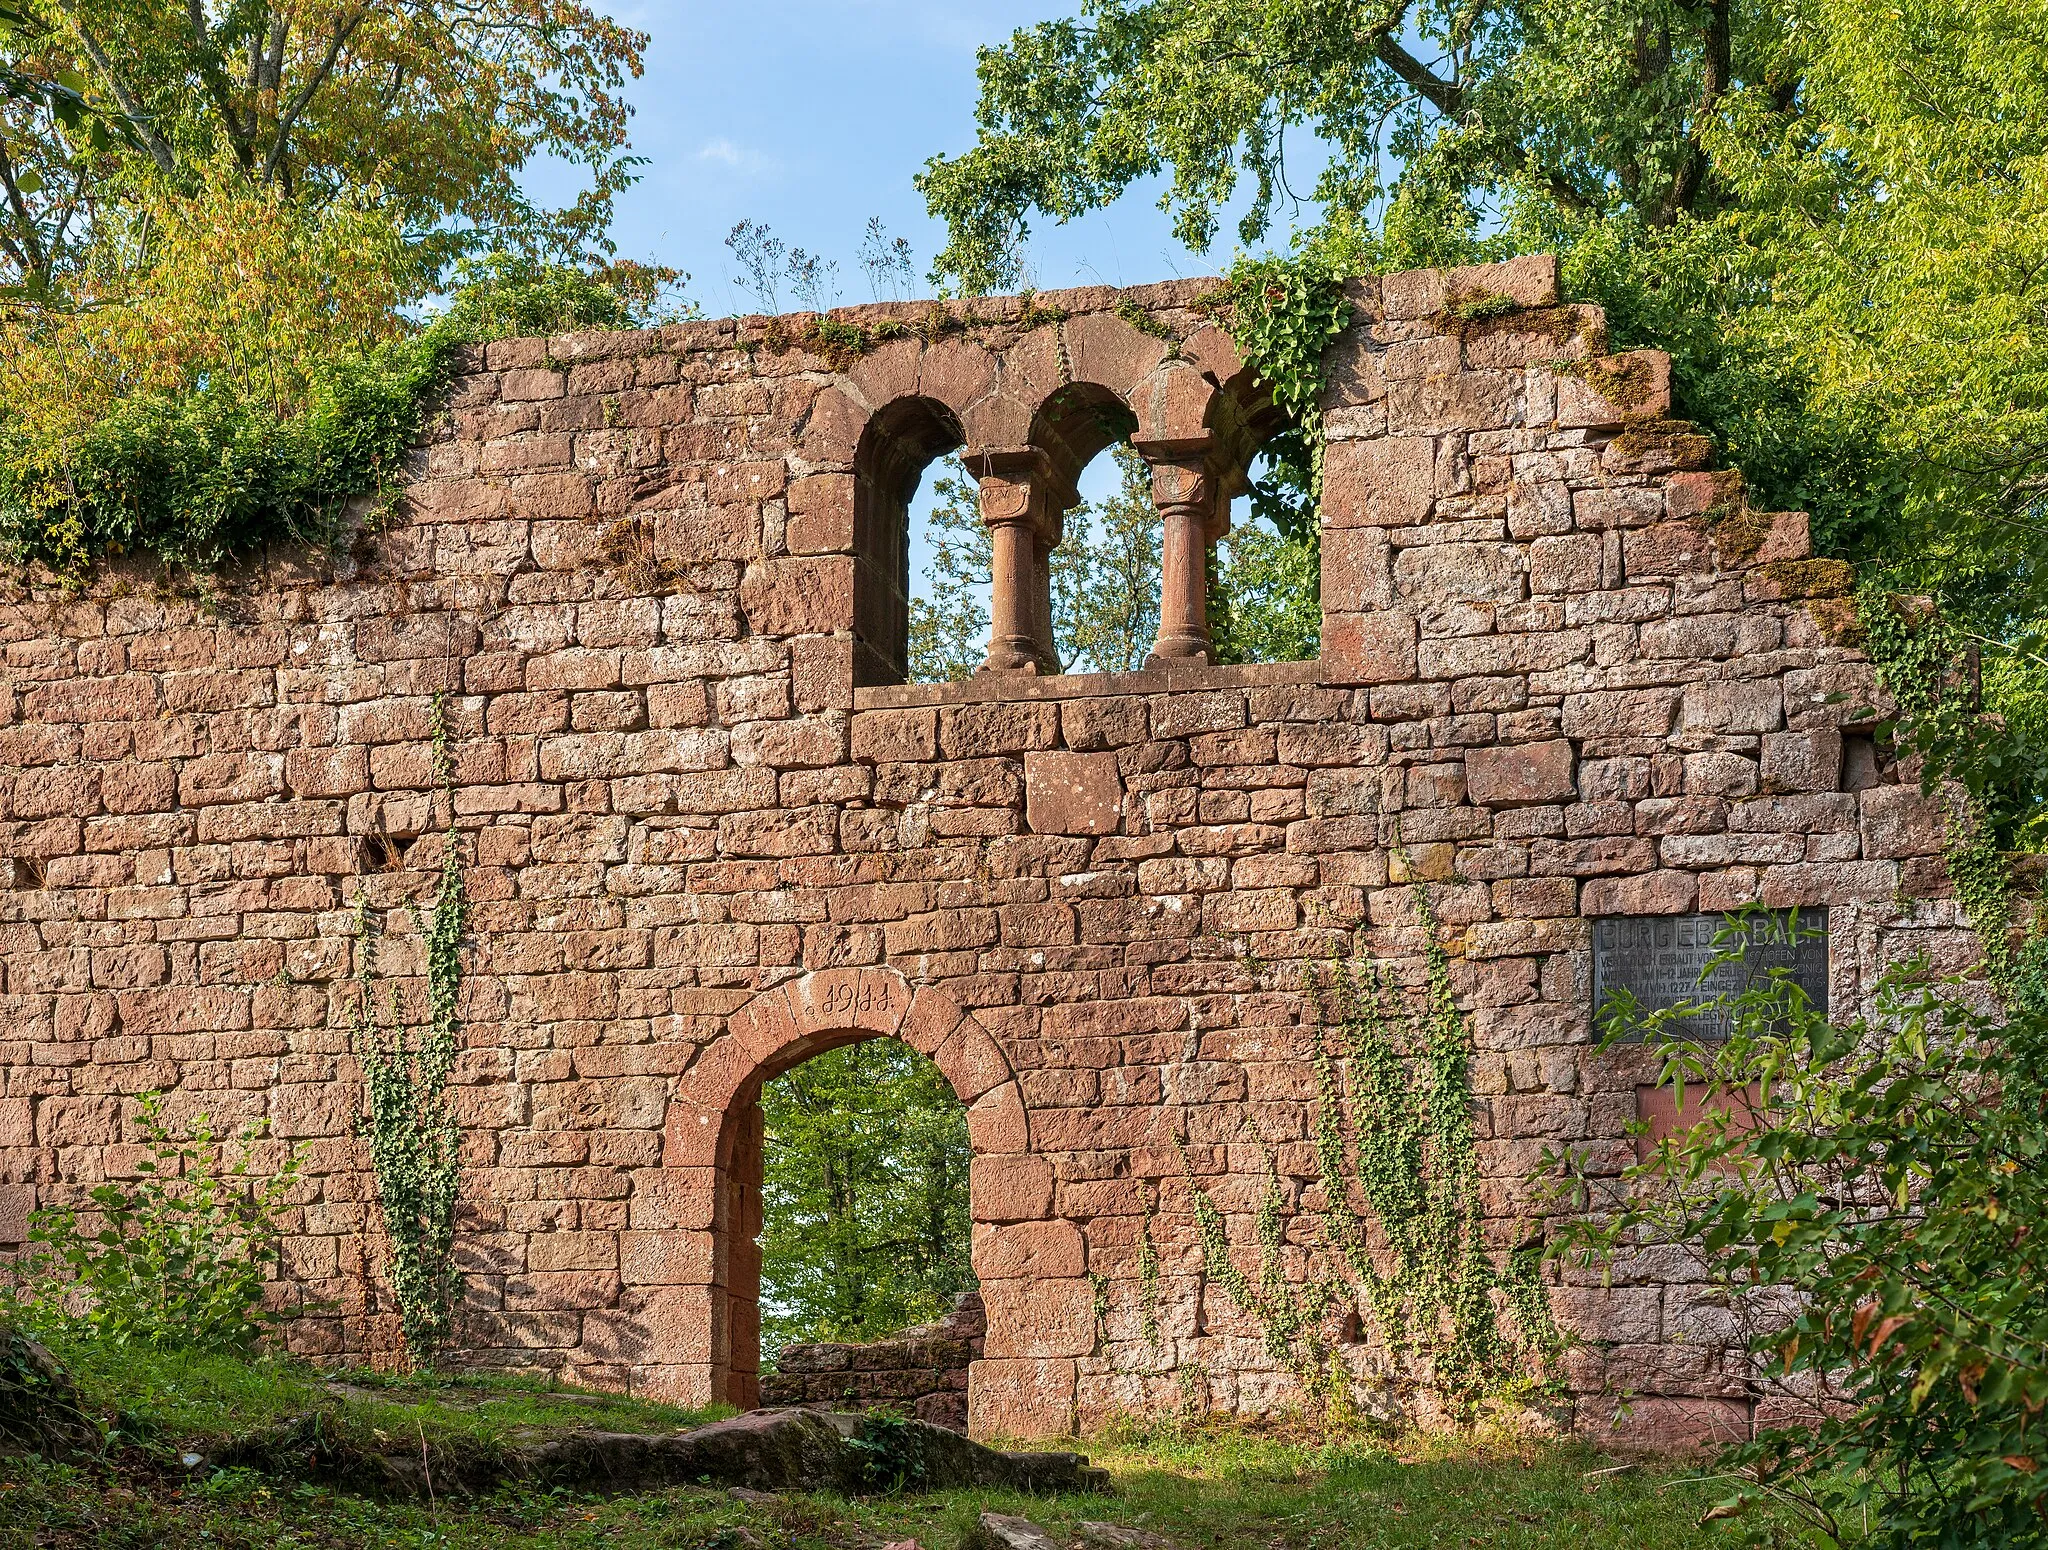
(1870,1198)
(237,370)
(177,1259)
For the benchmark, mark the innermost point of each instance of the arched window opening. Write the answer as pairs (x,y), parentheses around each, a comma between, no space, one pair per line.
(861,1178)
(896,448)
(952,568)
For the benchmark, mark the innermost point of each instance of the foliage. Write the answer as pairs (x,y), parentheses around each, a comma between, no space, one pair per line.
(1105,575)
(1266,596)
(949,619)
(428,108)
(1927,662)
(865,1200)
(1835,218)
(1401,1144)
(414,1137)
(235,373)
(178,1258)
(1870,1199)
(1282,314)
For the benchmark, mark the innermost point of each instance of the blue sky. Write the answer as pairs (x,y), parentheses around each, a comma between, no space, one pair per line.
(812,116)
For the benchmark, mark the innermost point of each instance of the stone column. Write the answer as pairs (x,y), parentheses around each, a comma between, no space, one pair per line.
(1020,505)
(1185,492)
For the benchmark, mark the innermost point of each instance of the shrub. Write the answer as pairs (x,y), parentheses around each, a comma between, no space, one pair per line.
(1870,1199)
(236,369)
(176,1259)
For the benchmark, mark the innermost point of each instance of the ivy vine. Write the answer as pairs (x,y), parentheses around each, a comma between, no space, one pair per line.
(1402,1229)
(1282,314)
(1924,662)
(410,1125)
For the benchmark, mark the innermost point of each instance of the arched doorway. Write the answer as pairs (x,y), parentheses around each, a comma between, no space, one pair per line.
(705,1341)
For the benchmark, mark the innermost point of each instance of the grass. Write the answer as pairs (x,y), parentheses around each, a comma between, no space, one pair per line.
(1206,1487)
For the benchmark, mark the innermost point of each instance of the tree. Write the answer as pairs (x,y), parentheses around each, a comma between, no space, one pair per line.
(429,107)
(865,1197)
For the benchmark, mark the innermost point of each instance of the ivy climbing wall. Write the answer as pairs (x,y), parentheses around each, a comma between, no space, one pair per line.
(646,584)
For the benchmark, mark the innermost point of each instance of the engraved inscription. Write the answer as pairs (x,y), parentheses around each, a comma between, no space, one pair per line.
(1661,959)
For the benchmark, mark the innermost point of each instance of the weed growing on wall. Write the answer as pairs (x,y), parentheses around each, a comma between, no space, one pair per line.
(410,1125)
(198,473)
(1401,1226)
(1282,314)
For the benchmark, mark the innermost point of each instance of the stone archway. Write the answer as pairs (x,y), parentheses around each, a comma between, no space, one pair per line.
(701,1282)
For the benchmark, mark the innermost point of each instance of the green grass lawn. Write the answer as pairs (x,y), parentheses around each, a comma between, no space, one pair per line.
(1212,1487)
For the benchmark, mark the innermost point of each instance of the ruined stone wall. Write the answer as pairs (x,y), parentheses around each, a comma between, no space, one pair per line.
(1566,674)
(921,1371)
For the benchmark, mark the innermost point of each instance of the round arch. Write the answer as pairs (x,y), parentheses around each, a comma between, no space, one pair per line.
(703,1324)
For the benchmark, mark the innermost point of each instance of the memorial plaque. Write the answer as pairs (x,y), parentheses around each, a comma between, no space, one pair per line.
(1662,958)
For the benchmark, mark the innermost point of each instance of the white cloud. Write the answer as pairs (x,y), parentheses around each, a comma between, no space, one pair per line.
(737,157)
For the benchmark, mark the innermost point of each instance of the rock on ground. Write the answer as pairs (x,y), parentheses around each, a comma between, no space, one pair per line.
(764,1450)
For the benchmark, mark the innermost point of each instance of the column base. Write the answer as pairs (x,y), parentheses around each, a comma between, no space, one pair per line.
(1183,654)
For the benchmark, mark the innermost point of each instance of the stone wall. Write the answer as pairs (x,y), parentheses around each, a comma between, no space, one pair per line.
(920,1371)
(655,580)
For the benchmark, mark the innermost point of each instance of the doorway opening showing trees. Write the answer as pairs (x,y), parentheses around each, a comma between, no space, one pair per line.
(864,1221)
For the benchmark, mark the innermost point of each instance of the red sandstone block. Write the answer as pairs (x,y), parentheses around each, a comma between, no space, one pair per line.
(990,730)
(1010,1189)
(1072,793)
(1668,549)
(875,1000)
(327,772)
(1671,1426)
(799,596)
(1802,761)
(1616,713)
(895,736)
(1372,648)
(1040,1318)
(1734,706)
(1521,774)
(1029,1250)
(1021,1399)
(1653,893)
(131,698)
(997,1124)
(1898,821)
(745,483)
(1385,482)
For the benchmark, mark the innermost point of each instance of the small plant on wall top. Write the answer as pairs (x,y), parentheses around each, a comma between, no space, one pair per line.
(1402,1236)
(410,1125)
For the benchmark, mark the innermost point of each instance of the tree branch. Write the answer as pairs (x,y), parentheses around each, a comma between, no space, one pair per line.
(31,254)
(1718,68)
(289,118)
(131,107)
(207,58)
(1451,99)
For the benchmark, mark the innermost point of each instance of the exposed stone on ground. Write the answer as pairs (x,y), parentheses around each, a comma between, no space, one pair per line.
(1116,1536)
(760,1452)
(997,1531)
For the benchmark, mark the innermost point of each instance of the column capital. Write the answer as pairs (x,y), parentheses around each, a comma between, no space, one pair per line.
(1022,485)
